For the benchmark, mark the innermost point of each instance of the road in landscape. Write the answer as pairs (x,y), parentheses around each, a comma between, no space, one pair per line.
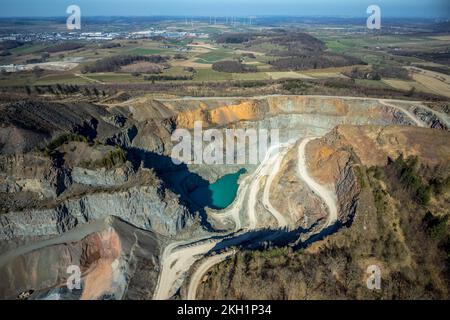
(267,168)
(88,79)
(178,258)
(276,166)
(74,235)
(197,276)
(275,162)
(176,262)
(327,195)
(411,116)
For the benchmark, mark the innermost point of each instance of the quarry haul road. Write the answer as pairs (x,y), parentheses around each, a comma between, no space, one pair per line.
(202,269)
(269,167)
(281,95)
(178,257)
(282,222)
(441,116)
(176,262)
(411,116)
(68,237)
(245,185)
(274,168)
(324,193)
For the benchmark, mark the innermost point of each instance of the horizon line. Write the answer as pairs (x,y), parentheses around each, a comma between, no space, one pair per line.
(226,16)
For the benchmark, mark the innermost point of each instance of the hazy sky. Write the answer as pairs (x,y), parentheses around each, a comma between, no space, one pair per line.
(353,8)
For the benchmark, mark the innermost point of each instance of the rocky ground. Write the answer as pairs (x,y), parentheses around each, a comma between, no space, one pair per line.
(94,185)
(388,224)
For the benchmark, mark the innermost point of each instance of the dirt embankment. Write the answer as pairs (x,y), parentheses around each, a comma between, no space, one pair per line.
(390,229)
(336,159)
(101,250)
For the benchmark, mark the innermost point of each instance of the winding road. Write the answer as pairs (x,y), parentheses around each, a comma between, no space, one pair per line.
(272,162)
(178,258)
(269,167)
(197,276)
(276,166)
(409,114)
(175,263)
(323,192)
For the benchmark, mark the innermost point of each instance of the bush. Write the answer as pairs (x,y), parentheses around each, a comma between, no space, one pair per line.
(62,139)
(5,53)
(295,86)
(179,56)
(436,227)
(423,195)
(233,67)
(234,38)
(111,64)
(314,60)
(392,72)
(357,73)
(110,45)
(440,185)
(163,77)
(64,46)
(114,158)
(407,172)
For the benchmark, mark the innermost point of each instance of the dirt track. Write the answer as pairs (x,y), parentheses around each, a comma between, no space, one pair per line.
(179,258)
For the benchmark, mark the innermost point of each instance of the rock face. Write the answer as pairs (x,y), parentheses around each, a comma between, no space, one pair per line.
(332,163)
(335,159)
(107,253)
(293,199)
(385,225)
(24,172)
(101,177)
(68,167)
(86,195)
(327,112)
(25,125)
(143,207)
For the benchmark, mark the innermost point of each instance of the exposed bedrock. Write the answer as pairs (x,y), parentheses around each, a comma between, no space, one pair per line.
(76,195)
(335,159)
(143,207)
(118,165)
(115,261)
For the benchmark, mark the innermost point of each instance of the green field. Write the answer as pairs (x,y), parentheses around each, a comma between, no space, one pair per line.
(214,56)
(146,51)
(197,55)
(61,79)
(251,76)
(28,48)
(211,75)
(372,83)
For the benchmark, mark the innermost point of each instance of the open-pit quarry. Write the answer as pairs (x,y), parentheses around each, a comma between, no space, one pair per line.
(133,226)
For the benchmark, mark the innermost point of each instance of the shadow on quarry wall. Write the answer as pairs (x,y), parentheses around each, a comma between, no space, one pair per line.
(320,236)
(262,239)
(177,178)
(331,229)
(267,238)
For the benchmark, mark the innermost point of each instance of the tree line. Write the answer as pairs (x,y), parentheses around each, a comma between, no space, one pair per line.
(111,64)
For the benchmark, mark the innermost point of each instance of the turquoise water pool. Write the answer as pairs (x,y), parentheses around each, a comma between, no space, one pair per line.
(220,194)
